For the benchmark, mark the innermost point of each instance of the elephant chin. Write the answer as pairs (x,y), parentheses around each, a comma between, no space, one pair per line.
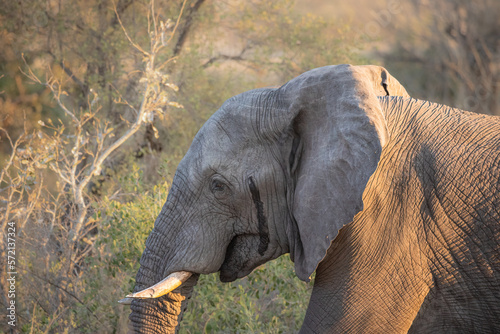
(229,274)
(241,258)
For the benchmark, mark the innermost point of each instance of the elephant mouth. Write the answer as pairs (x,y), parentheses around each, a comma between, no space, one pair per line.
(241,258)
(227,271)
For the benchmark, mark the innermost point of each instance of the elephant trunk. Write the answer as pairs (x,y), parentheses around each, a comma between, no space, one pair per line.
(163,314)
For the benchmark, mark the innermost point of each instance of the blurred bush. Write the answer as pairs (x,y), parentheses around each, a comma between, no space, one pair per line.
(269,300)
(449,52)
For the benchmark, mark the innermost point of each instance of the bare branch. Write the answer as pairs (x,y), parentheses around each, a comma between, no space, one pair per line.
(62,289)
(187,25)
(13,154)
(135,45)
(177,23)
(56,90)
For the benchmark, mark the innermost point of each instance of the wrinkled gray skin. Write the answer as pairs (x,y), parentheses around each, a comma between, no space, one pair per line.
(393,201)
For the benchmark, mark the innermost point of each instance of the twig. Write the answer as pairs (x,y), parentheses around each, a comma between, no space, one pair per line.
(137,46)
(62,289)
(186,28)
(177,23)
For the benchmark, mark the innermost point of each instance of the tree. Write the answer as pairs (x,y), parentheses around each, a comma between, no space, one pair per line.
(58,224)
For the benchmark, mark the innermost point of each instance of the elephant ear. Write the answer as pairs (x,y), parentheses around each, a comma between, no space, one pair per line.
(338,121)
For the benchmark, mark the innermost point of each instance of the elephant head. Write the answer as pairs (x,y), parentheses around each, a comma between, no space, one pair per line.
(273,171)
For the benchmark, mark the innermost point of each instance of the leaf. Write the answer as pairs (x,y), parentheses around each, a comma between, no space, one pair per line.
(176,104)
(155,131)
(172,86)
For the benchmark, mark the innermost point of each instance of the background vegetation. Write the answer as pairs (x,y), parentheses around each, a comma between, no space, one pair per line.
(100,100)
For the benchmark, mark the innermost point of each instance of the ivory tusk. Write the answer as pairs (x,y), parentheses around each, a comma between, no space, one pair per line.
(163,287)
(126,301)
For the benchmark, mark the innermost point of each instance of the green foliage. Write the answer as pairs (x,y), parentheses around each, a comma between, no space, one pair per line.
(121,238)
(107,275)
(269,300)
(125,226)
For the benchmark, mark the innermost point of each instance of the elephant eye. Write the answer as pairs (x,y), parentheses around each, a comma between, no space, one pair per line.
(218,188)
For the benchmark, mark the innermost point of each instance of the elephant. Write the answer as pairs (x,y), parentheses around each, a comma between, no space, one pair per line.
(394,203)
